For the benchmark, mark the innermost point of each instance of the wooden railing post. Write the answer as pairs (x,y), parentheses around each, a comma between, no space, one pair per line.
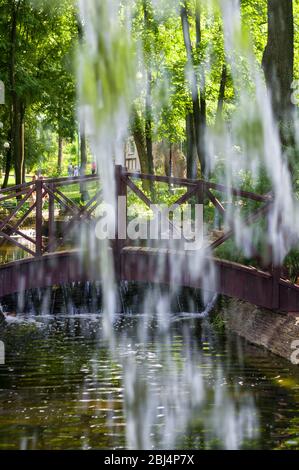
(51,219)
(276,273)
(201,198)
(39,217)
(121,219)
(201,194)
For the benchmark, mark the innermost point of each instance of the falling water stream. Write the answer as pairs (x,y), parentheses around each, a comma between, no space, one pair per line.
(150,378)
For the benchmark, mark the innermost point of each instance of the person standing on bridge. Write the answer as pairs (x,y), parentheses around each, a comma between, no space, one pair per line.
(70,170)
(93,168)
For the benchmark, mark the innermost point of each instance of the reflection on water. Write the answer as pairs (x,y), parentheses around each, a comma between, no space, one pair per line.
(63,388)
(9,252)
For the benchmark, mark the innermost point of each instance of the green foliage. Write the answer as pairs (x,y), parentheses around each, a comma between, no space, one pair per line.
(292,264)
(46,37)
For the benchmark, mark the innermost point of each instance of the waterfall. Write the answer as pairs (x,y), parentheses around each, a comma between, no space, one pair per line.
(107,84)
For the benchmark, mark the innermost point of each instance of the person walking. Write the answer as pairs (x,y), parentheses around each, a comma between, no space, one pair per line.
(93,168)
(70,170)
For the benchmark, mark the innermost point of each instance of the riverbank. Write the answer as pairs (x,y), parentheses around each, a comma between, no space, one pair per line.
(274,331)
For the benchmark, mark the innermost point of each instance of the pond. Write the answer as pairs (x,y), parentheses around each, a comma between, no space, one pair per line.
(195,387)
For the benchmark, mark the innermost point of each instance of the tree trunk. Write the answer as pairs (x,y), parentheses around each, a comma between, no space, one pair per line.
(278,59)
(170,170)
(139,139)
(12,78)
(221,95)
(148,101)
(194,89)
(8,160)
(23,164)
(203,104)
(191,147)
(83,149)
(60,153)
(137,130)
(83,167)
(7,169)
(148,125)
(18,139)
(17,106)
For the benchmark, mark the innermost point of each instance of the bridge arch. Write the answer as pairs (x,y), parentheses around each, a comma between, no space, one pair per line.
(46,265)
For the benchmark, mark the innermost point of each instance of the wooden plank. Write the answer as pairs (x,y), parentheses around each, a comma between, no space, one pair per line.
(234,280)
(61,202)
(39,217)
(139,193)
(20,221)
(276,273)
(162,179)
(21,234)
(15,242)
(16,210)
(208,185)
(66,199)
(51,221)
(248,220)
(82,215)
(65,181)
(120,242)
(239,192)
(191,192)
(215,201)
(13,196)
(95,199)
(16,188)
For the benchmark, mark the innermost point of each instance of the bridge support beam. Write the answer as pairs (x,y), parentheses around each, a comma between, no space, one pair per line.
(39,217)
(51,218)
(276,273)
(121,220)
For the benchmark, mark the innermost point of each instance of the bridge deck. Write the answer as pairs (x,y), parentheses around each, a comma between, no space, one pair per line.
(150,265)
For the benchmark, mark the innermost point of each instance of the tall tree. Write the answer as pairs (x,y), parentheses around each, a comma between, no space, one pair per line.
(221,95)
(36,38)
(17,104)
(278,59)
(198,100)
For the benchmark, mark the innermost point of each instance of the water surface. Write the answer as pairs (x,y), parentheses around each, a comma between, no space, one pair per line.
(63,387)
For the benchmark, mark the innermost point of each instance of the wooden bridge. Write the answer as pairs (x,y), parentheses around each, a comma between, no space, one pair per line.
(50,223)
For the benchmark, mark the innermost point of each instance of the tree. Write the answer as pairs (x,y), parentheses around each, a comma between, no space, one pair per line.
(142,128)
(198,99)
(278,59)
(36,42)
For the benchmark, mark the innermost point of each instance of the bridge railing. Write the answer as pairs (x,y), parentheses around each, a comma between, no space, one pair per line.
(30,213)
(203,191)
(17,203)
(208,193)
(72,201)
